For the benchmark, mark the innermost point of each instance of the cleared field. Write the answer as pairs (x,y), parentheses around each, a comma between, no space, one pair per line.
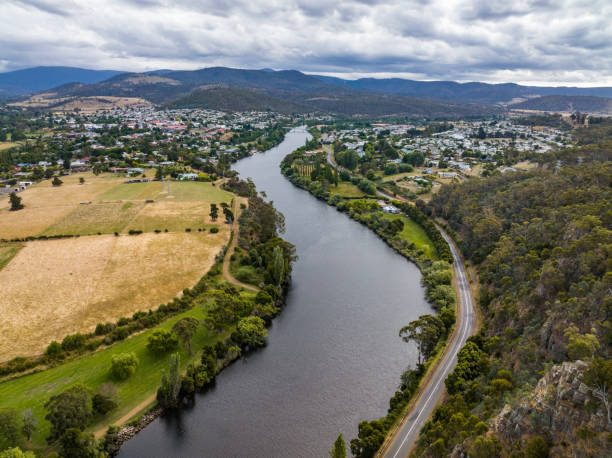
(202,192)
(6,145)
(104,218)
(69,285)
(414,233)
(8,252)
(346,190)
(175,216)
(134,191)
(45,205)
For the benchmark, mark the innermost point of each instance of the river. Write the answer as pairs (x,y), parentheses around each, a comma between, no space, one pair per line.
(333,356)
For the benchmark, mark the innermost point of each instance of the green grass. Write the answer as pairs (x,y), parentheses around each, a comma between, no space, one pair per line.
(197,191)
(8,252)
(346,190)
(414,233)
(134,191)
(104,218)
(32,391)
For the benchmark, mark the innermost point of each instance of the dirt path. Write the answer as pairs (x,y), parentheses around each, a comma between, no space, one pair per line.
(99,433)
(226,261)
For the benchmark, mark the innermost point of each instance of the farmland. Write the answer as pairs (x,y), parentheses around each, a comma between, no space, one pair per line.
(99,277)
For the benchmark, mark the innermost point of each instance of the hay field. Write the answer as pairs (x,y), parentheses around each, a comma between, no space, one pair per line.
(45,205)
(69,285)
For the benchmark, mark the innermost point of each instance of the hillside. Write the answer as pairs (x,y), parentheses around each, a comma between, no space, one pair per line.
(541,243)
(585,104)
(38,79)
(287,91)
(473,92)
(234,99)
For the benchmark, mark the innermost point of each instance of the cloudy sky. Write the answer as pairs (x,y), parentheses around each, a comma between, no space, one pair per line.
(525,41)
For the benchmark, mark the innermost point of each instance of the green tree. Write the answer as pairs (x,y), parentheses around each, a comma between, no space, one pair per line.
(29,423)
(56,181)
(9,427)
(278,265)
(581,346)
(168,392)
(123,365)
(485,448)
(161,341)
(536,448)
(425,332)
(70,409)
(105,399)
(16,453)
(15,202)
(250,331)
(598,376)
(185,329)
(76,444)
(214,212)
(339,448)
(81,180)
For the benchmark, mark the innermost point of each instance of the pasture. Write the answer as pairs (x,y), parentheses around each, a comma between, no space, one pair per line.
(69,285)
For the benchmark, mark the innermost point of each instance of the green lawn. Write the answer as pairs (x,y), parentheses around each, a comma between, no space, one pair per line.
(346,190)
(32,391)
(414,233)
(8,252)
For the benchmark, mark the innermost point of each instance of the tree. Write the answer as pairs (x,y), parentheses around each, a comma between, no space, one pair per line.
(81,180)
(185,328)
(97,168)
(278,265)
(168,392)
(598,376)
(485,448)
(29,423)
(339,449)
(9,427)
(105,399)
(16,453)
(214,212)
(123,365)
(76,444)
(70,409)
(15,202)
(537,448)
(162,341)
(229,215)
(425,332)
(581,346)
(251,331)
(56,181)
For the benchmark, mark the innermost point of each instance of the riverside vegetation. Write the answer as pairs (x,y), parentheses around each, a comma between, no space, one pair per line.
(536,381)
(413,235)
(185,342)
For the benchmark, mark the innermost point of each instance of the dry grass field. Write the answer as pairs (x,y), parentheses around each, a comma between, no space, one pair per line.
(52,288)
(58,287)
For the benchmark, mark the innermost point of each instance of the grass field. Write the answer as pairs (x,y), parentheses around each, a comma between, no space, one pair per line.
(32,391)
(6,145)
(346,190)
(70,285)
(414,233)
(8,252)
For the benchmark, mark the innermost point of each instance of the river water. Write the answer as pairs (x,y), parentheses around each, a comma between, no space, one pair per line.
(333,356)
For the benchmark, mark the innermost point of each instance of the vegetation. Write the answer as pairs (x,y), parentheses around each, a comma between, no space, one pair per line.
(123,365)
(541,243)
(15,202)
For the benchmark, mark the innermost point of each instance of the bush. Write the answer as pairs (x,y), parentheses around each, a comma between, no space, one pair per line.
(214,230)
(123,365)
(54,351)
(73,342)
(162,341)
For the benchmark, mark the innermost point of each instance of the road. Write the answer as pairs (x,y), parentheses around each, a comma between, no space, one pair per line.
(407,432)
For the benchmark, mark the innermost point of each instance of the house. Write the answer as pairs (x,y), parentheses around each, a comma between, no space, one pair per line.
(188,176)
(390,209)
(447,174)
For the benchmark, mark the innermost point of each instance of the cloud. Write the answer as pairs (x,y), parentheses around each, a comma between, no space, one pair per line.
(550,42)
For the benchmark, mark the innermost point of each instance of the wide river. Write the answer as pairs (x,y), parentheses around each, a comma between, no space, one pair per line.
(333,357)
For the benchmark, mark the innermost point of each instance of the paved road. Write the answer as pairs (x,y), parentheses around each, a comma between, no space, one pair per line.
(407,433)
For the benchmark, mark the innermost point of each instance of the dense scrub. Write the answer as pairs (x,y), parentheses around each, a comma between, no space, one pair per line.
(542,244)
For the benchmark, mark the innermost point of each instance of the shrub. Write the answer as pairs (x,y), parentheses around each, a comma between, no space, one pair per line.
(214,230)
(123,365)
(162,341)
(54,351)
(73,342)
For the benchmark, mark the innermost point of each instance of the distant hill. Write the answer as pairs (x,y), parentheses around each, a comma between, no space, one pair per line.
(233,99)
(585,104)
(287,91)
(37,79)
(450,91)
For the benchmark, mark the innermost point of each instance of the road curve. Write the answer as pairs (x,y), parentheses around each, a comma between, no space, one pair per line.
(407,432)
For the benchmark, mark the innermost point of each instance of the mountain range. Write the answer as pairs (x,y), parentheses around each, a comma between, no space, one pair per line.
(292,91)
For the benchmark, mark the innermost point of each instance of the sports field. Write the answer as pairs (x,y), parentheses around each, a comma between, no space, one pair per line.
(69,285)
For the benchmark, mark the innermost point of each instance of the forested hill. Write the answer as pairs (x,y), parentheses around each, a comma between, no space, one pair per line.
(542,245)
(567,103)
